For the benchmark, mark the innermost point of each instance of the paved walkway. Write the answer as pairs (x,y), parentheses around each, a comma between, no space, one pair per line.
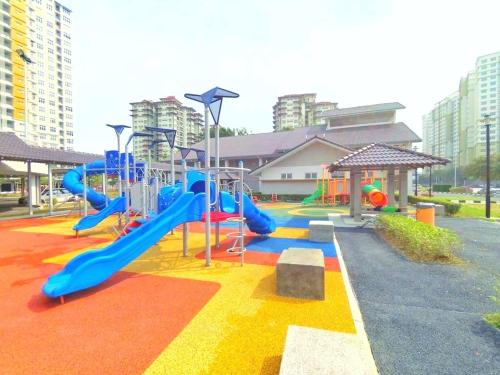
(426,319)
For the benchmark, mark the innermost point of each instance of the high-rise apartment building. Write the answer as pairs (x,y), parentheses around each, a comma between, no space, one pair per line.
(454,128)
(167,113)
(299,110)
(35,72)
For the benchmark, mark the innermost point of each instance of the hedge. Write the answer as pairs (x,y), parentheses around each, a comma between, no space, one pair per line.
(441,188)
(419,241)
(281,197)
(450,208)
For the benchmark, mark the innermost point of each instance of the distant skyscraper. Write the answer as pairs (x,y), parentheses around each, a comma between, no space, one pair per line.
(453,129)
(167,113)
(35,67)
(298,110)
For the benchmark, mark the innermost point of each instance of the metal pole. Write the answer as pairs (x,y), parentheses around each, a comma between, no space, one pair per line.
(242,239)
(430,181)
(488,193)
(134,165)
(104,180)
(172,167)
(85,206)
(127,185)
(119,167)
(207,190)
(416,181)
(51,205)
(30,195)
(217,183)
(185,228)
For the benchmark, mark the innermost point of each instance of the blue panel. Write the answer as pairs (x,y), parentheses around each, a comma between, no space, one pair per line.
(277,245)
(215,110)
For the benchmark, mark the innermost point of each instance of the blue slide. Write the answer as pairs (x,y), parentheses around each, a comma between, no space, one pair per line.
(90,221)
(95,266)
(72,181)
(258,222)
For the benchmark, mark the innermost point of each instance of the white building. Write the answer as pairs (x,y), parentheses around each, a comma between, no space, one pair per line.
(454,127)
(167,113)
(299,110)
(37,97)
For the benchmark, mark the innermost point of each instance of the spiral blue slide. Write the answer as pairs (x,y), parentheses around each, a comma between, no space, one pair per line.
(72,181)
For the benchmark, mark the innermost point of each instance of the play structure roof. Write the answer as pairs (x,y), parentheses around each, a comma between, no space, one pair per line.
(382,156)
(273,145)
(14,148)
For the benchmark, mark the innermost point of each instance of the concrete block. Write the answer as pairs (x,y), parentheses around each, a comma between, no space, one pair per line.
(300,273)
(312,351)
(321,231)
(439,210)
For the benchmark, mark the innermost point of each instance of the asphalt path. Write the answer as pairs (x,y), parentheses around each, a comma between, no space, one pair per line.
(426,318)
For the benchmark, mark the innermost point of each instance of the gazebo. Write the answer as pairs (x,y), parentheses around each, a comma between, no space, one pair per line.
(383,157)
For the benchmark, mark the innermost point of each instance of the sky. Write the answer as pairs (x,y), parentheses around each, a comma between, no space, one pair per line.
(355,52)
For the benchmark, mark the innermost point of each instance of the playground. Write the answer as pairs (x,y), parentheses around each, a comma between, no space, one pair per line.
(171,275)
(163,311)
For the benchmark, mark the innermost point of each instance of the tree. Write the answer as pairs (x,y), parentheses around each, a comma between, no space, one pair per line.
(228,132)
(477,169)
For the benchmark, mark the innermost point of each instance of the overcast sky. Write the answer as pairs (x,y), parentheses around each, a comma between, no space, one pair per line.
(354,52)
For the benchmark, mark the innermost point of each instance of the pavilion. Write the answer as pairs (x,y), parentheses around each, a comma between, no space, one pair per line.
(383,157)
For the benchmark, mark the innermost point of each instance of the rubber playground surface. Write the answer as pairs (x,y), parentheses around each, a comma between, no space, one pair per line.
(164,313)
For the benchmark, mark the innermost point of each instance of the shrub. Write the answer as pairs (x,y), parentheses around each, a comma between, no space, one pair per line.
(441,188)
(450,208)
(460,190)
(281,197)
(418,241)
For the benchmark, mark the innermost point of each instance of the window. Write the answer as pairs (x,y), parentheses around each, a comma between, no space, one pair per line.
(286,176)
(311,175)
(43,128)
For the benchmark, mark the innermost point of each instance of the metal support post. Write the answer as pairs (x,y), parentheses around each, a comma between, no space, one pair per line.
(30,195)
(217,183)
(127,186)
(51,187)
(207,191)
(172,167)
(242,217)
(488,156)
(85,205)
(185,226)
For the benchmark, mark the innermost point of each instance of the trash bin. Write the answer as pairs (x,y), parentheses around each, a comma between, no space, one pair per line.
(425,212)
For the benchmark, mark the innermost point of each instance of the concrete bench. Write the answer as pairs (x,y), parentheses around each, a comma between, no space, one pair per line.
(300,273)
(321,231)
(312,351)
(439,210)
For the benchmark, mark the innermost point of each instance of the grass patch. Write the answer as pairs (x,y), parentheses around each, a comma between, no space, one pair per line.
(493,320)
(419,241)
(478,211)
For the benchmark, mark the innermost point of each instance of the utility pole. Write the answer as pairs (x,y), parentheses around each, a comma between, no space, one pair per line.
(487,124)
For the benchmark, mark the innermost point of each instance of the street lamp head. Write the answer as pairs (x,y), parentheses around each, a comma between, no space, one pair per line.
(155,142)
(118,128)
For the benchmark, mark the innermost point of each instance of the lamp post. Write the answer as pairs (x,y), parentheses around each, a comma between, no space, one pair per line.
(27,60)
(118,131)
(487,123)
(212,100)
(416,174)
(127,170)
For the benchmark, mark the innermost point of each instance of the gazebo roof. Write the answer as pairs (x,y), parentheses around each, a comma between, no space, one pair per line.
(382,156)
